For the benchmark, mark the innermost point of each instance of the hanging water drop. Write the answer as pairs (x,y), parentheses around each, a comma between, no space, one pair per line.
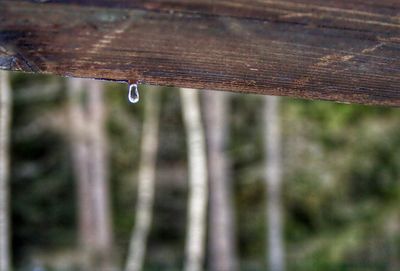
(133,94)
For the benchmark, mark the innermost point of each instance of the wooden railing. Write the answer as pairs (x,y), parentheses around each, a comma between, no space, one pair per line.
(341,50)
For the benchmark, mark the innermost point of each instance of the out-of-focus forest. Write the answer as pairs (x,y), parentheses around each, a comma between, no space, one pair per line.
(287,184)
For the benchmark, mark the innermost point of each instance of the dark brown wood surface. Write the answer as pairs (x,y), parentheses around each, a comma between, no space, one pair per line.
(342,50)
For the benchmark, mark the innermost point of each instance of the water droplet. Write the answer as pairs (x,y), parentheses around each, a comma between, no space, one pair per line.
(133,94)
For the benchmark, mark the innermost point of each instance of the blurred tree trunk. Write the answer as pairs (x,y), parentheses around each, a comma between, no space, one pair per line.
(275,249)
(98,158)
(89,151)
(195,237)
(5,127)
(80,160)
(222,231)
(146,179)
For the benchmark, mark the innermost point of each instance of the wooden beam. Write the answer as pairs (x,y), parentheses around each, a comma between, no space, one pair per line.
(341,50)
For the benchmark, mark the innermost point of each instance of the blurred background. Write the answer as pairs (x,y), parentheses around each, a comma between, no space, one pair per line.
(97,183)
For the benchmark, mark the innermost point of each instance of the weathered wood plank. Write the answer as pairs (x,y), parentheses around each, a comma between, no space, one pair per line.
(342,50)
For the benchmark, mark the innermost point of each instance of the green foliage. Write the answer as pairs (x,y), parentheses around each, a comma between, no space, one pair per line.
(42,189)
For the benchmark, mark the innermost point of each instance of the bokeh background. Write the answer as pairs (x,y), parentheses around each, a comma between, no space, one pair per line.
(340,180)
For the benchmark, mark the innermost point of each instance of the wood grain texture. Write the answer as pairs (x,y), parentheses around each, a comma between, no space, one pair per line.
(341,50)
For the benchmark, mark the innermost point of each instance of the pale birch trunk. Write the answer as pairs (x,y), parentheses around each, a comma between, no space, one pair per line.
(5,127)
(196,231)
(98,149)
(273,178)
(80,159)
(89,153)
(222,230)
(146,180)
